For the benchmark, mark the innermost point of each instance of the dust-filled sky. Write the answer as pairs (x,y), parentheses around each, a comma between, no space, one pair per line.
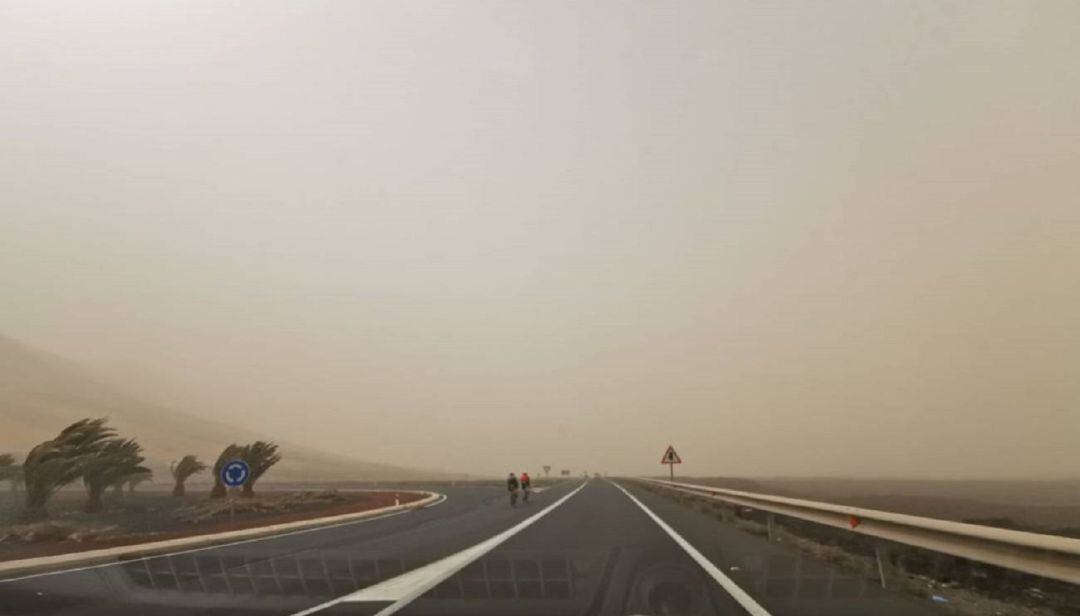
(803,238)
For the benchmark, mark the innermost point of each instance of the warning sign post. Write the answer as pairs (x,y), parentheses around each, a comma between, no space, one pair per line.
(671,459)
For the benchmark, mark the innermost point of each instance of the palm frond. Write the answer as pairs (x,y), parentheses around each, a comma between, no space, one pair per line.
(230,453)
(8,469)
(116,461)
(260,456)
(58,462)
(186,467)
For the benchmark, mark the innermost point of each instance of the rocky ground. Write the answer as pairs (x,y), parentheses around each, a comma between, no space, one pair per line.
(1037,506)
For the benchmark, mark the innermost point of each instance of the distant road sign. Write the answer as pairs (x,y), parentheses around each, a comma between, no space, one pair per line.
(235,473)
(670,457)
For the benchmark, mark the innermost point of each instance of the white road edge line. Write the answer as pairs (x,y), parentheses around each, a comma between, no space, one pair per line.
(219,545)
(740,595)
(406,588)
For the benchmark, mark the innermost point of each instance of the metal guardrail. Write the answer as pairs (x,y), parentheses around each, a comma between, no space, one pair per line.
(1049,556)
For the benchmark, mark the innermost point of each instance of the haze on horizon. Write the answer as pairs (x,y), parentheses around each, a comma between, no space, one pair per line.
(791,239)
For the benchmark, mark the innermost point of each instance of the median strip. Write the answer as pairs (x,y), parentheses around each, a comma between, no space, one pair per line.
(77,561)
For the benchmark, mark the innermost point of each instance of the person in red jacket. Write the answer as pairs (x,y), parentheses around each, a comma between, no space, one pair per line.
(526,486)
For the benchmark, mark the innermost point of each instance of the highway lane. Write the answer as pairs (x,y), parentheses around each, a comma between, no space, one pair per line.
(596,552)
(278,574)
(602,554)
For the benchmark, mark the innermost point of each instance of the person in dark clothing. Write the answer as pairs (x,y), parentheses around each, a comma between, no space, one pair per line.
(512,486)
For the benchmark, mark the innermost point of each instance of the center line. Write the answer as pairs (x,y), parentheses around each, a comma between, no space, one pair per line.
(405,588)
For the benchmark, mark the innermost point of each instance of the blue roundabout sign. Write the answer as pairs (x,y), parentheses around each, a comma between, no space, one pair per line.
(235,473)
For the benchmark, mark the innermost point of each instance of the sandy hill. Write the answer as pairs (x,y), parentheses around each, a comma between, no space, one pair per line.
(40,393)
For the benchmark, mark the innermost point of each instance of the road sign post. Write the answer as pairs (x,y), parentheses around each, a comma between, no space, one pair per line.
(234,474)
(547,469)
(671,459)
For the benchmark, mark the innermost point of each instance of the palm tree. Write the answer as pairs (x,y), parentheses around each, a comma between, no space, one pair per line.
(134,480)
(230,453)
(130,481)
(9,471)
(115,462)
(187,466)
(55,463)
(260,456)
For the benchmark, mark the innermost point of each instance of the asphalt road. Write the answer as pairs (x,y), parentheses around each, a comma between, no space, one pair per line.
(575,549)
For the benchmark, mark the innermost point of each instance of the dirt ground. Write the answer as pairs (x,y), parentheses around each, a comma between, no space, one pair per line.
(1038,506)
(154,516)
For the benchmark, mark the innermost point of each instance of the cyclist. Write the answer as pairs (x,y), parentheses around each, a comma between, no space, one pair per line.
(526,486)
(512,486)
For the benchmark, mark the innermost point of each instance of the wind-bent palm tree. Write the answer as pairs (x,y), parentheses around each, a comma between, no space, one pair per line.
(230,453)
(55,463)
(260,456)
(187,466)
(133,481)
(117,461)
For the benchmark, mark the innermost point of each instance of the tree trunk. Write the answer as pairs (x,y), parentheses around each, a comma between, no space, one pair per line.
(178,489)
(219,490)
(35,504)
(93,499)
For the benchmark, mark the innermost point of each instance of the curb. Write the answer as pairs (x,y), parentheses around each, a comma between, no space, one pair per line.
(161,548)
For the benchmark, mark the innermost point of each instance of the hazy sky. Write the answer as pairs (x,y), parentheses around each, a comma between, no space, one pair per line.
(797,238)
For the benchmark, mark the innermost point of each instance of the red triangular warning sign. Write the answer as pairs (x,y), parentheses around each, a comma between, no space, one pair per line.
(670,457)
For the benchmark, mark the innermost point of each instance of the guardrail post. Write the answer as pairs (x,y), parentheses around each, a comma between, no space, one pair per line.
(881,553)
(770,520)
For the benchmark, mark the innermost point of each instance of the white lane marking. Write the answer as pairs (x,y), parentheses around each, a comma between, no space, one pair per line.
(438,502)
(219,545)
(740,595)
(405,588)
